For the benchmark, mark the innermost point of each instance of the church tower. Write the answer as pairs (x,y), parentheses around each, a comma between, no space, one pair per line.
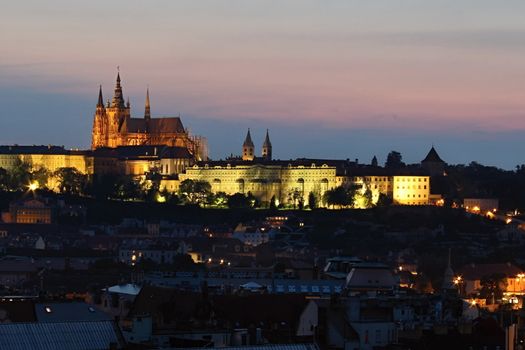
(117,114)
(248,147)
(267,147)
(99,121)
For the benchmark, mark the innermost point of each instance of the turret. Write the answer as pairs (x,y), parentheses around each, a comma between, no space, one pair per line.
(267,147)
(147,111)
(248,147)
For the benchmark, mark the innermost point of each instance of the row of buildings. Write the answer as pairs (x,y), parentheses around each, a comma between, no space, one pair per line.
(122,145)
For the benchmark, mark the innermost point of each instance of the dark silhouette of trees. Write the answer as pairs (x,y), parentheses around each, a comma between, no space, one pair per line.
(195,192)
(312,200)
(394,160)
(70,181)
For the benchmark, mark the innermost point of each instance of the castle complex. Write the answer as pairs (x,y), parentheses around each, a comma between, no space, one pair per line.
(122,145)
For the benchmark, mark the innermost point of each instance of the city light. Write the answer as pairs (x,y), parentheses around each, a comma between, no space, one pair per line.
(33,186)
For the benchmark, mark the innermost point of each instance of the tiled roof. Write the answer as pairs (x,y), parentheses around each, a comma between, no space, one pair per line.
(432,156)
(68,312)
(270,347)
(59,336)
(155,125)
(16,149)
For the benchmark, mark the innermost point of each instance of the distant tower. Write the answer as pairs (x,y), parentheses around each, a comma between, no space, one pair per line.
(99,121)
(433,164)
(147,111)
(267,147)
(374,162)
(248,147)
(448,278)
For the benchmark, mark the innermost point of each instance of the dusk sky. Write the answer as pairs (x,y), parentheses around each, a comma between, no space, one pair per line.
(330,79)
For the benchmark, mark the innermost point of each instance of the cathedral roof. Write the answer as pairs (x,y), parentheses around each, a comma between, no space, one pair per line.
(432,156)
(155,125)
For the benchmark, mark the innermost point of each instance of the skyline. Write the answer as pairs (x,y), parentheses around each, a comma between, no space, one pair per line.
(333,80)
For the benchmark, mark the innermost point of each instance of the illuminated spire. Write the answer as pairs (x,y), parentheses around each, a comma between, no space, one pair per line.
(147,111)
(118,99)
(100,103)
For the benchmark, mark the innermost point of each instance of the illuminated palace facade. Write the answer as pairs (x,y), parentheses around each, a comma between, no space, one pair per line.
(288,181)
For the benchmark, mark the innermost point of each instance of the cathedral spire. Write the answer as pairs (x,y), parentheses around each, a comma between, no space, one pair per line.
(267,147)
(118,99)
(147,111)
(100,103)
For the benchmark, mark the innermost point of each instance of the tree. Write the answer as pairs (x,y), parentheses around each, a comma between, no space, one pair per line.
(384,200)
(41,176)
(128,188)
(5,180)
(195,191)
(394,160)
(220,199)
(238,200)
(70,180)
(19,175)
(312,200)
(273,203)
(252,200)
(368,200)
(341,196)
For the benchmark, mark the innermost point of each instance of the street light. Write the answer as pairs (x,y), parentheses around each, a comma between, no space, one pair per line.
(33,186)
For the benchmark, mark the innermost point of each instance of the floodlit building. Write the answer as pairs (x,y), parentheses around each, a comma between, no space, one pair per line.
(113,126)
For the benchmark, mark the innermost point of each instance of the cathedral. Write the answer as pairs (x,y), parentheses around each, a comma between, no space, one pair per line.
(113,126)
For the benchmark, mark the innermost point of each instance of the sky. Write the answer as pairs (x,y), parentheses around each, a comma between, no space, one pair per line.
(329,79)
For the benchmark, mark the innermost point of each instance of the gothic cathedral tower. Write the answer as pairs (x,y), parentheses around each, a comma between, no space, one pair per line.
(248,148)
(109,120)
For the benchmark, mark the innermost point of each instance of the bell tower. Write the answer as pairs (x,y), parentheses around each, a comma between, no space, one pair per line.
(248,148)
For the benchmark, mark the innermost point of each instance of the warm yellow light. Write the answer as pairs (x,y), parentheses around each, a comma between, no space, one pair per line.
(508,220)
(133,257)
(222,261)
(209,260)
(33,186)
(161,198)
(473,302)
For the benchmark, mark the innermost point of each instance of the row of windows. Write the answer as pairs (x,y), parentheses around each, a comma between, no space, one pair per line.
(411,179)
